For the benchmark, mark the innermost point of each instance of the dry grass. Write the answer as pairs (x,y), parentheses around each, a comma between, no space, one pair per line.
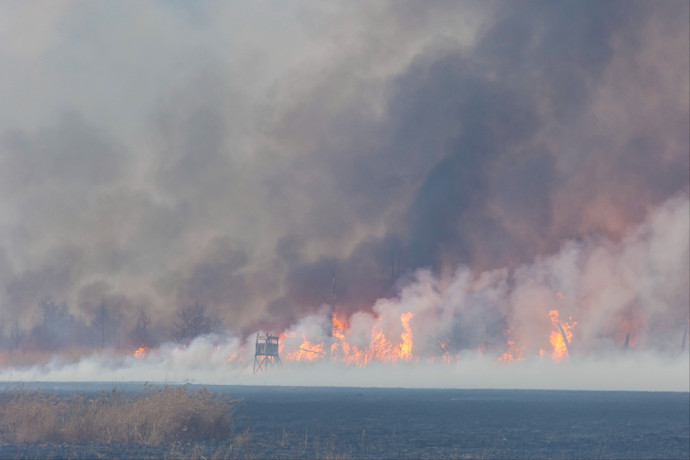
(156,416)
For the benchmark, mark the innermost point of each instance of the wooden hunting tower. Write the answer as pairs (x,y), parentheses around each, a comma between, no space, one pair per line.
(266,354)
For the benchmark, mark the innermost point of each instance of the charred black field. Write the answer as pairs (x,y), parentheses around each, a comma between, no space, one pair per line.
(328,422)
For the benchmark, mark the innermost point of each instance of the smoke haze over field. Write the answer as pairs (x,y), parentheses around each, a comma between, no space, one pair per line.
(458,329)
(476,164)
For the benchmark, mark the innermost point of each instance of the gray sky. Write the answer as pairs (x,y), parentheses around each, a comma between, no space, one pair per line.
(155,154)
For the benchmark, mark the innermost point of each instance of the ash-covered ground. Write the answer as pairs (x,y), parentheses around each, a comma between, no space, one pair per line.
(328,422)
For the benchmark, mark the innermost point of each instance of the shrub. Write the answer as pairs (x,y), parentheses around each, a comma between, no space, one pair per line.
(156,416)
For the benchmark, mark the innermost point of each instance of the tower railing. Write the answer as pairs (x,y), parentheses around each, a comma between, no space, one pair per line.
(266,353)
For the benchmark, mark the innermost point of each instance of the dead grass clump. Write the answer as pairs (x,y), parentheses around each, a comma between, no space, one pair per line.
(156,416)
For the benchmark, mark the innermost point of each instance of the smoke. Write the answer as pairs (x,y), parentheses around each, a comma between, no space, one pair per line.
(611,289)
(464,162)
(640,372)
(461,328)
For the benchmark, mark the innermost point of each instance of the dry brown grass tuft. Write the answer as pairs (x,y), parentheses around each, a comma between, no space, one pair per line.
(156,416)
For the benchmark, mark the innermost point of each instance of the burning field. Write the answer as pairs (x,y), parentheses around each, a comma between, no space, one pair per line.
(586,317)
(423,195)
(454,194)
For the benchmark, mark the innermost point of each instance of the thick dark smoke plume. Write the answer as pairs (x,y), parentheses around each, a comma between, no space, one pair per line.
(155,156)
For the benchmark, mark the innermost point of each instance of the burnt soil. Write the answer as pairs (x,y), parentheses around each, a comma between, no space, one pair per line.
(361,423)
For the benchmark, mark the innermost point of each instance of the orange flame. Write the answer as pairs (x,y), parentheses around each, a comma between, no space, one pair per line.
(307,351)
(380,348)
(446,352)
(338,336)
(405,348)
(513,353)
(141,352)
(560,348)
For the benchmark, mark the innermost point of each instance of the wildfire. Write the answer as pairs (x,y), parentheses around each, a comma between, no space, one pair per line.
(141,352)
(405,348)
(306,352)
(445,349)
(561,336)
(337,332)
(513,353)
(380,347)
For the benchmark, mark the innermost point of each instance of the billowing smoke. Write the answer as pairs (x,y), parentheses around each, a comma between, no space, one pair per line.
(625,304)
(474,164)
(610,290)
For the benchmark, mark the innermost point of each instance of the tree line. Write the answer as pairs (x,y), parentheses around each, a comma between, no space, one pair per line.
(56,328)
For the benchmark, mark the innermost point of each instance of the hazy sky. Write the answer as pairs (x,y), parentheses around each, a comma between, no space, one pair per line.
(155,154)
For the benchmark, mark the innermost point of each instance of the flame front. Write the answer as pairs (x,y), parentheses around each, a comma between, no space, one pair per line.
(343,345)
(405,348)
(307,351)
(560,347)
(380,347)
(513,353)
(141,352)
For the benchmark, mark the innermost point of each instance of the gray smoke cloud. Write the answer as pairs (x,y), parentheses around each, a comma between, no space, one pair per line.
(157,155)
(621,301)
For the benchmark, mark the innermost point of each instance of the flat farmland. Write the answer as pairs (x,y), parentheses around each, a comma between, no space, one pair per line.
(369,423)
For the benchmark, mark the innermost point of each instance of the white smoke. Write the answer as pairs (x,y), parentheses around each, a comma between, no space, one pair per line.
(461,325)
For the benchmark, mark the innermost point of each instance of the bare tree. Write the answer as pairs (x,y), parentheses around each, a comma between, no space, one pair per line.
(144,320)
(101,320)
(57,327)
(140,335)
(16,335)
(193,321)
